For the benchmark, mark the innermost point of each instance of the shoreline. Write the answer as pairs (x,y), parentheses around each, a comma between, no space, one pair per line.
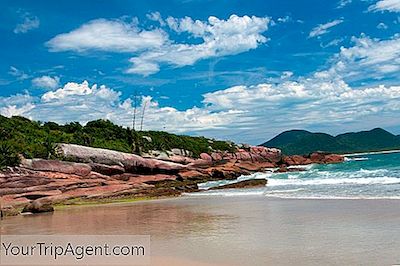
(90,175)
(371,152)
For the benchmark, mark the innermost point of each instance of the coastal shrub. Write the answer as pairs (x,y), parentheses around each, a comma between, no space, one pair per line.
(34,139)
(8,157)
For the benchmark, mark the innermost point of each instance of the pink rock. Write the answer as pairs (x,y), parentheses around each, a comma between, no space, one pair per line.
(57,166)
(216,156)
(206,157)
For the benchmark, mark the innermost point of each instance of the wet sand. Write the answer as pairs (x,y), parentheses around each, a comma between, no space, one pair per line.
(251,230)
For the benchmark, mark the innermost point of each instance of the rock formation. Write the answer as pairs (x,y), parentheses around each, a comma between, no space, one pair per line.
(92,174)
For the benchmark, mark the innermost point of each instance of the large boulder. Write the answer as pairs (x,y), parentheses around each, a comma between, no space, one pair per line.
(38,206)
(296,160)
(108,170)
(131,162)
(57,166)
(252,183)
(321,157)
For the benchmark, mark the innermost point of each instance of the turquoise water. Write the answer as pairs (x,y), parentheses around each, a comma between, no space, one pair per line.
(360,176)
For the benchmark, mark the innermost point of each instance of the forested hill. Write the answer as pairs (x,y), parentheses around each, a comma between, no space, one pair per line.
(19,135)
(304,142)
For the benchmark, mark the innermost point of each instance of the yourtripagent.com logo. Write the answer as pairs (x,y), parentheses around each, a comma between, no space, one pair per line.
(74,250)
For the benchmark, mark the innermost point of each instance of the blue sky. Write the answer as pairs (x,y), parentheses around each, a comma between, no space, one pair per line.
(239,70)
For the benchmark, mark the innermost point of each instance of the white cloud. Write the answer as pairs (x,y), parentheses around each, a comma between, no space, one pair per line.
(242,113)
(16,105)
(108,35)
(17,73)
(156,16)
(72,89)
(324,28)
(219,38)
(386,5)
(152,48)
(368,59)
(46,82)
(28,23)
(344,3)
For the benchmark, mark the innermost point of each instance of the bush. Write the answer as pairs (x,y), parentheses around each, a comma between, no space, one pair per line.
(19,135)
(8,157)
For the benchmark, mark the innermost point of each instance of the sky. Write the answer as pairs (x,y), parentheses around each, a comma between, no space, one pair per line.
(241,70)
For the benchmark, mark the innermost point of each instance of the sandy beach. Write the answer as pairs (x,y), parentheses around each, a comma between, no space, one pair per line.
(251,230)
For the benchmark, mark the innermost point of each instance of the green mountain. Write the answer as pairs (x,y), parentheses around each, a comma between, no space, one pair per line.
(304,142)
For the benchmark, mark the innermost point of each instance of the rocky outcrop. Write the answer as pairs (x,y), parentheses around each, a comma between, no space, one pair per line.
(315,157)
(38,206)
(92,173)
(130,162)
(57,166)
(244,184)
(107,169)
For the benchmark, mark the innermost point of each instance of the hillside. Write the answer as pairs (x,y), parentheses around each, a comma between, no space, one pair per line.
(304,142)
(33,139)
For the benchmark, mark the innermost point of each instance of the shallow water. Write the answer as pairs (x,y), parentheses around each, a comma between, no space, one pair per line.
(371,176)
(251,230)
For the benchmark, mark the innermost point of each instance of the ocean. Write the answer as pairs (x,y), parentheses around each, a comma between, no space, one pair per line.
(361,176)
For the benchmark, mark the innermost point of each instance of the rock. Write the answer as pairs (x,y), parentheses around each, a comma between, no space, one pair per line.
(296,160)
(206,157)
(38,206)
(107,169)
(192,175)
(182,152)
(123,177)
(132,163)
(321,157)
(57,166)
(147,138)
(255,167)
(8,211)
(334,158)
(199,163)
(216,156)
(252,183)
(224,174)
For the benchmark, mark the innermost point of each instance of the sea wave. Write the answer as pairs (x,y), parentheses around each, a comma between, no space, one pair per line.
(326,197)
(349,159)
(333,181)
(226,193)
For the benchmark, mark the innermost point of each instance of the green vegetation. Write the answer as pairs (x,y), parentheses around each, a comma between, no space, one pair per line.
(304,142)
(19,135)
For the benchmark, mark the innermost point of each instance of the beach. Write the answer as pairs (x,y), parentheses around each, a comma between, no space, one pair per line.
(239,230)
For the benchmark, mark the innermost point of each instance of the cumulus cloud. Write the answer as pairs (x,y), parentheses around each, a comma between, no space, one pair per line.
(152,48)
(219,38)
(16,105)
(46,82)
(29,22)
(367,59)
(242,113)
(324,28)
(386,5)
(108,35)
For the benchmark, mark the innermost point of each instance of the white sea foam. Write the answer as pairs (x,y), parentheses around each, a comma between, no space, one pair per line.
(341,181)
(349,159)
(372,152)
(333,181)
(226,193)
(325,197)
